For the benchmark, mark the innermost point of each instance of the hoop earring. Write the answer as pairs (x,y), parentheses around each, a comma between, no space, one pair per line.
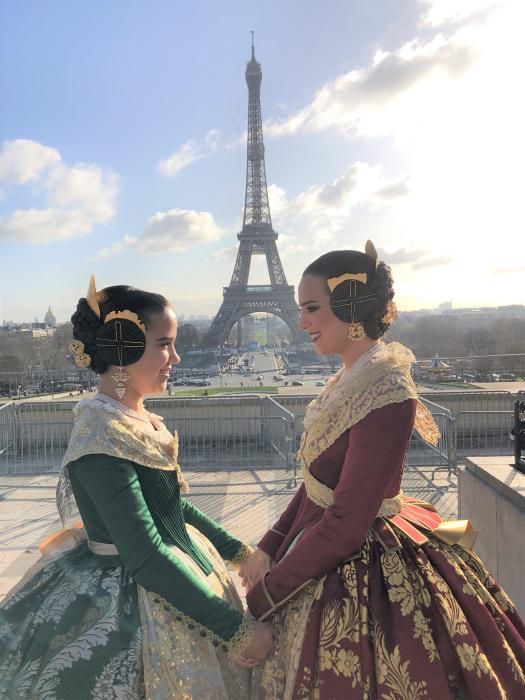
(356,331)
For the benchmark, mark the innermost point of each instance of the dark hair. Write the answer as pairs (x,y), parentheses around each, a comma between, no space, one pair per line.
(339,262)
(86,323)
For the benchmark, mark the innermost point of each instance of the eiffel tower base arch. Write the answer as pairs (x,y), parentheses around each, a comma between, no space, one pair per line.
(242,302)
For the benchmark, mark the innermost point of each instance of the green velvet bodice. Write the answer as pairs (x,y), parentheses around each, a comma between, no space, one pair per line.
(141,511)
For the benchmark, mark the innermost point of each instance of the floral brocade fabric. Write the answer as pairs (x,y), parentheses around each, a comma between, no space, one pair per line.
(420,623)
(79,630)
(401,618)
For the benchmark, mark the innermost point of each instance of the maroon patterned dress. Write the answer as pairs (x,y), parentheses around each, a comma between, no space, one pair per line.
(379,607)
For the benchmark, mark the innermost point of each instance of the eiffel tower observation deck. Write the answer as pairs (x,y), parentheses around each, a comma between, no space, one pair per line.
(256,238)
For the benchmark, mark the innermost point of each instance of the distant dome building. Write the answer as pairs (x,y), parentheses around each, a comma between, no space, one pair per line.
(49,319)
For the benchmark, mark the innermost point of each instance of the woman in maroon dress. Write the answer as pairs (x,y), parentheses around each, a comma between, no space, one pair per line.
(372,595)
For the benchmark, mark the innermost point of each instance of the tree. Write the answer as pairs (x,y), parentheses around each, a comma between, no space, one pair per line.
(187,337)
(10,363)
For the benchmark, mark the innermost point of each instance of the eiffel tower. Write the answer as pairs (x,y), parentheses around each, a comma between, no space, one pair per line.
(256,238)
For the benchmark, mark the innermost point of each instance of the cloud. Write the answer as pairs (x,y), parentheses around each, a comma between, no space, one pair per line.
(115,248)
(84,186)
(167,232)
(432,262)
(394,190)
(188,153)
(78,197)
(228,254)
(367,101)
(44,225)
(341,193)
(400,256)
(176,230)
(442,12)
(23,161)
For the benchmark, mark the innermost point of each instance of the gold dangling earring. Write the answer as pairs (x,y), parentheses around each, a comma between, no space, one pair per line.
(356,331)
(120,377)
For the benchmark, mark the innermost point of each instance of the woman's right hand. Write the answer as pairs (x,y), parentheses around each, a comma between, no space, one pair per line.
(260,646)
(254,568)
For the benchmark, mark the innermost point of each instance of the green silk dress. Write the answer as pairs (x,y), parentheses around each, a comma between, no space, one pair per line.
(137,603)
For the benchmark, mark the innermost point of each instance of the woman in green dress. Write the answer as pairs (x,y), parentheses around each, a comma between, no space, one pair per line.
(134,602)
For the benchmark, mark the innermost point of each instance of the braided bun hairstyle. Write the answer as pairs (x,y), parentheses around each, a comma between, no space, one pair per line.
(86,323)
(379,283)
(383,286)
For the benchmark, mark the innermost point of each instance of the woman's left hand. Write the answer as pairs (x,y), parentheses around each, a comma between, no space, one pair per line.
(254,568)
(259,647)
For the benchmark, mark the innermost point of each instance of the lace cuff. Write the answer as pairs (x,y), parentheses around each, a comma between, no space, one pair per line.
(241,639)
(241,555)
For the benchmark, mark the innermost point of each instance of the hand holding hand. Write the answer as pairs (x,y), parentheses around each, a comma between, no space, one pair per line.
(259,647)
(254,568)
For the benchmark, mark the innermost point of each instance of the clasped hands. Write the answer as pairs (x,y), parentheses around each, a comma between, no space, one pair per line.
(250,571)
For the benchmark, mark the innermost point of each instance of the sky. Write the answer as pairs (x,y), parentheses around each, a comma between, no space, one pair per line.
(123,149)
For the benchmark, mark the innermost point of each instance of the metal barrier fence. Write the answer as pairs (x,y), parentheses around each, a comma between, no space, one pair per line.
(7,431)
(228,432)
(440,456)
(253,431)
(215,433)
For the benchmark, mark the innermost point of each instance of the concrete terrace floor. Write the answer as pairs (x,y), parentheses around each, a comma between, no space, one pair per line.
(246,502)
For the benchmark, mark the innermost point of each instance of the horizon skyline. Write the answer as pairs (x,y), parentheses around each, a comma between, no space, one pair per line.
(185,318)
(402,126)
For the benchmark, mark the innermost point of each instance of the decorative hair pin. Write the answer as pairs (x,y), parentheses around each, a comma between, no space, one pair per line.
(82,359)
(334,282)
(353,298)
(371,251)
(391,313)
(91,297)
(128,315)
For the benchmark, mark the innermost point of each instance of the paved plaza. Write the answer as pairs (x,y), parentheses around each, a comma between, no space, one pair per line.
(245,502)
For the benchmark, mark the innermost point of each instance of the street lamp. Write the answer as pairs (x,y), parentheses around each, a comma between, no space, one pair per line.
(52,390)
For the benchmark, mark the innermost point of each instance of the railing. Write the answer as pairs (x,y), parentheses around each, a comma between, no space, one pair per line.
(7,431)
(483,433)
(251,431)
(440,456)
(234,432)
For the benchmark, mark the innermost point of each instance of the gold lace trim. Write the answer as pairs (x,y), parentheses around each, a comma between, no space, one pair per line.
(100,428)
(316,491)
(234,647)
(350,411)
(156,601)
(242,554)
(351,397)
(426,425)
(390,506)
(323,496)
(241,639)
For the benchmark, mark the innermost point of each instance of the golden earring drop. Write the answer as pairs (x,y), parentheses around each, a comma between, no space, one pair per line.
(356,331)
(120,377)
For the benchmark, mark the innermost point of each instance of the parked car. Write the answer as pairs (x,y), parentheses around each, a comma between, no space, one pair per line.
(296,382)
(277,378)
(259,378)
(320,382)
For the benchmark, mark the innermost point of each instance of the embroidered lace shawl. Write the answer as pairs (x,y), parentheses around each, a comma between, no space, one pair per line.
(378,378)
(100,428)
